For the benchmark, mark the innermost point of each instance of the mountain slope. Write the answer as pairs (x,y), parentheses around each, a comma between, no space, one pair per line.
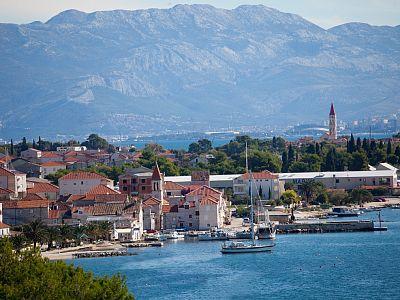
(190,67)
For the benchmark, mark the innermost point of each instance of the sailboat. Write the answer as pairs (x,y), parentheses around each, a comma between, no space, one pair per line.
(267,229)
(243,247)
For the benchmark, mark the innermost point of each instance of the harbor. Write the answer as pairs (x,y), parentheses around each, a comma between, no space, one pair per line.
(329,264)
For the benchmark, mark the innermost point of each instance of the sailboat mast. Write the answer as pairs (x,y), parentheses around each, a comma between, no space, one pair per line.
(251,208)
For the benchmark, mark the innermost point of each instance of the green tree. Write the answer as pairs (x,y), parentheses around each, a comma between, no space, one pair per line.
(351,146)
(360,196)
(95,142)
(389,149)
(35,232)
(26,275)
(285,161)
(12,147)
(24,144)
(358,161)
(310,188)
(290,197)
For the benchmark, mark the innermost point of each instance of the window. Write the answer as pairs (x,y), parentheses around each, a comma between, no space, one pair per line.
(81,182)
(337,180)
(124,181)
(143,180)
(186,206)
(190,224)
(197,213)
(133,180)
(124,188)
(190,216)
(181,224)
(143,188)
(169,193)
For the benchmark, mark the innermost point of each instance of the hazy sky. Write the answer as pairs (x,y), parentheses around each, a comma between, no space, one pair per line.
(322,12)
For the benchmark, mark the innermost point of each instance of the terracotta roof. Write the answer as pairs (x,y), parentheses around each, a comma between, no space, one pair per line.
(32,196)
(151,201)
(49,154)
(52,164)
(173,186)
(5,172)
(103,210)
(174,208)
(209,200)
(3,225)
(156,173)
(43,187)
(111,198)
(25,204)
(5,191)
(260,175)
(56,214)
(82,175)
(102,189)
(204,190)
(191,203)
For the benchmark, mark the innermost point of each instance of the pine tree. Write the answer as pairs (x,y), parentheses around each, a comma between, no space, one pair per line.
(40,144)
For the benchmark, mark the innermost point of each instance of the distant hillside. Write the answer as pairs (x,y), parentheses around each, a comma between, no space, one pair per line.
(190,66)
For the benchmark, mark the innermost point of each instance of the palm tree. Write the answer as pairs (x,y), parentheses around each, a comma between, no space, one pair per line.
(35,232)
(53,235)
(66,233)
(19,242)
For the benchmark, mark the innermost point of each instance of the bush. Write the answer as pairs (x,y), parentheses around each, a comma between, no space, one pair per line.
(380,191)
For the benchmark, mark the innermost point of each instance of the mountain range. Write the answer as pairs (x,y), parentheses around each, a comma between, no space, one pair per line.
(190,67)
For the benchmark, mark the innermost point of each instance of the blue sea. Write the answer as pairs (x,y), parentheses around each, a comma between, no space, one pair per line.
(361,265)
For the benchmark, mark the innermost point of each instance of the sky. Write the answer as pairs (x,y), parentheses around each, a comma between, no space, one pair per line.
(325,13)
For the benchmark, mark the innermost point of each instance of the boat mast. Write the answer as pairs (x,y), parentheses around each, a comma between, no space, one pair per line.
(251,208)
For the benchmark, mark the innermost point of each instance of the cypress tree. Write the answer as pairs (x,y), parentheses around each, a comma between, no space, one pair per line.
(24,145)
(34,146)
(285,162)
(291,155)
(389,148)
(12,147)
(358,144)
(317,149)
(351,145)
(365,145)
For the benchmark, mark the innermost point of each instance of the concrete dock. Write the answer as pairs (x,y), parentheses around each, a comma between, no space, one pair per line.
(326,226)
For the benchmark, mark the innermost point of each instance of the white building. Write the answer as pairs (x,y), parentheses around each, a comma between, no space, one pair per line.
(265,184)
(14,181)
(31,154)
(344,179)
(4,228)
(79,183)
(51,167)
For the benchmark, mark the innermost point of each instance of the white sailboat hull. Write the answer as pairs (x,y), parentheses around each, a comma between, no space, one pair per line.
(247,249)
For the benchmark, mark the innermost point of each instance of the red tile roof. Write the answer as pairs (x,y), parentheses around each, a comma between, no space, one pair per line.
(49,154)
(52,164)
(5,172)
(56,214)
(19,204)
(204,190)
(260,175)
(82,175)
(103,210)
(209,200)
(111,198)
(151,201)
(5,191)
(102,189)
(3,225)
(173,186)
(32,196)
(43,187)
(156,173)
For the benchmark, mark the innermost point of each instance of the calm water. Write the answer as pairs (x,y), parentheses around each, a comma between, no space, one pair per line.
(306,266)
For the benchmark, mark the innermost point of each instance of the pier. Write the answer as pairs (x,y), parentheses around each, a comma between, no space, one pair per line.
(326,226)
